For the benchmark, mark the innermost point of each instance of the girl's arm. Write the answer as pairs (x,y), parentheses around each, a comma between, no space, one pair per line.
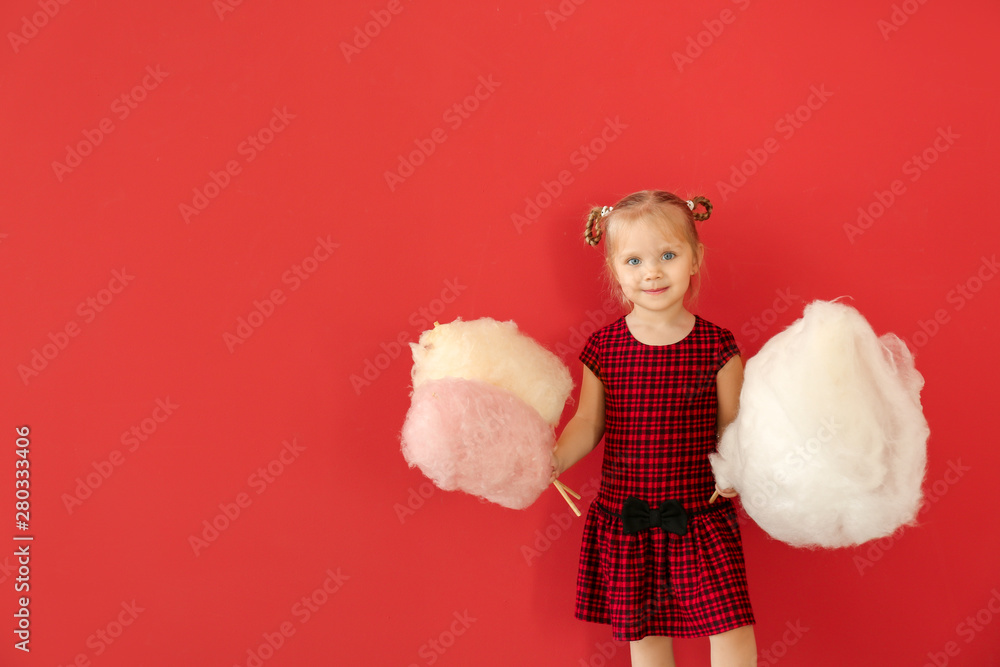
(729,382)
(585,429)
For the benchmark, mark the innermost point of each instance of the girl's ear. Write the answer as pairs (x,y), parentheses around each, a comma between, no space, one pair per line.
(698,256)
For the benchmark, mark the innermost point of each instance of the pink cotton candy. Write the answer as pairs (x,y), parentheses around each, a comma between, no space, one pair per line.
(478,438)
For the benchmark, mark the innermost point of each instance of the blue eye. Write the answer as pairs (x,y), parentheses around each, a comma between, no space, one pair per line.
(668,255)
(633,261)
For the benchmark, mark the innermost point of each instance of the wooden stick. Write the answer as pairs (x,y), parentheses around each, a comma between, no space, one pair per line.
(562,490)
(569,490)
(714,496)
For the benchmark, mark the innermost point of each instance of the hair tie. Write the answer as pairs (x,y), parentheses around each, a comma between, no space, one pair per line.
(690,204)
(606,210)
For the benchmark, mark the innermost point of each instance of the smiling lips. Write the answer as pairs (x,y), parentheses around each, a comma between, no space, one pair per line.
(655,291)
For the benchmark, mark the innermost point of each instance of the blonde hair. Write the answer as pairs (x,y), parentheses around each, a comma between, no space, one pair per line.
(663,209)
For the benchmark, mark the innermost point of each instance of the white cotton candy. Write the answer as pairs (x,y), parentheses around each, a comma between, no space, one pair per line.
(829,447)
(497,353)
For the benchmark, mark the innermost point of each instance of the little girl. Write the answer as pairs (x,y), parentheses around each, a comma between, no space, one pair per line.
(659,560)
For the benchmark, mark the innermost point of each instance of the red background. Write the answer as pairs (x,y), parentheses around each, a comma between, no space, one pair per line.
(699,95)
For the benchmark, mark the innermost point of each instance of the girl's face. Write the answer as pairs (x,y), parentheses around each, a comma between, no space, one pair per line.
(654,266)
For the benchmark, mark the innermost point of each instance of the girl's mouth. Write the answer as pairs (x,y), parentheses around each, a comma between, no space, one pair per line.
(656,291)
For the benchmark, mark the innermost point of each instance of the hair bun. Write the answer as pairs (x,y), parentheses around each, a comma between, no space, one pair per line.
(593,232)
(705,204)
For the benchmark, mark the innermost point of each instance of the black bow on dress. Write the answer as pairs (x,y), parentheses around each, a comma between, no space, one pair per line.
(638,515)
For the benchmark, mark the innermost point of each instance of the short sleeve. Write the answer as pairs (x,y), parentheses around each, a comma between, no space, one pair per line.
(590,355)
(727,347)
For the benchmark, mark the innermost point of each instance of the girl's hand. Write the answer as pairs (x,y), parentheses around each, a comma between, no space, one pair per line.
(726,493)
(556,466)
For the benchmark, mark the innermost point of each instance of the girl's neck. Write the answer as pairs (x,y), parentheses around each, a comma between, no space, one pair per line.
(660,327)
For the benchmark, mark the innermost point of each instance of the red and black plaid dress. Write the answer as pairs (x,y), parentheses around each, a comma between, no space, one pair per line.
(661,403)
